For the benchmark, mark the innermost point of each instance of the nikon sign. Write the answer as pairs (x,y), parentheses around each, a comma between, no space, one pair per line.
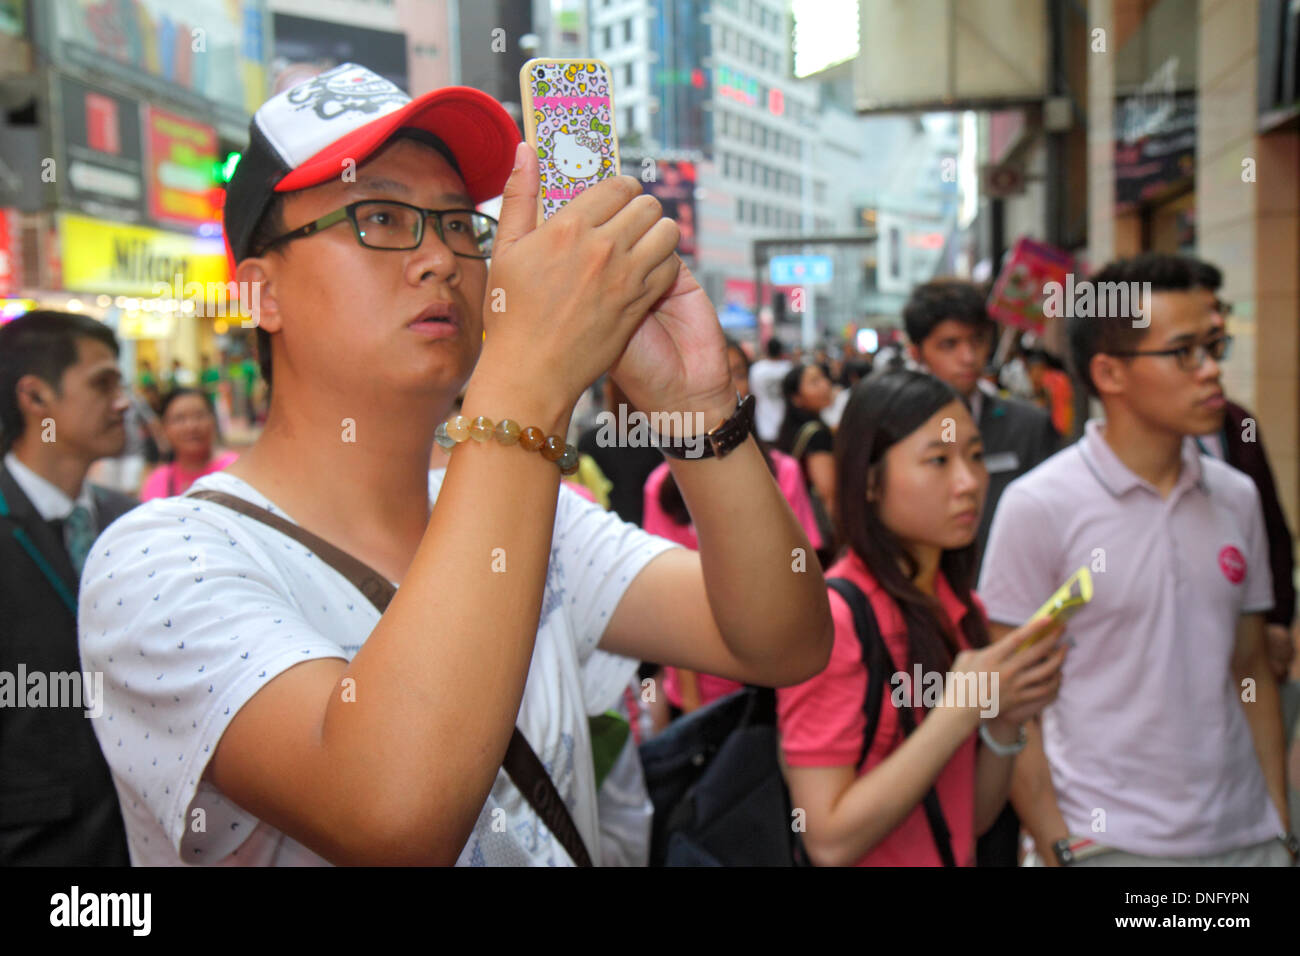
(116,259)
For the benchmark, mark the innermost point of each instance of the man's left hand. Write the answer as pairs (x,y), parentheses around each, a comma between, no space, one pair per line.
(1281,650)
(677,358)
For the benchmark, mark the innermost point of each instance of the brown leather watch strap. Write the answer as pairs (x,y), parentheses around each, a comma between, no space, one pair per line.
(521,763)
(723,439)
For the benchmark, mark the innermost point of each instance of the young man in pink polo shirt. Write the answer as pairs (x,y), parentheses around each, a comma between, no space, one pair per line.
(1165,745)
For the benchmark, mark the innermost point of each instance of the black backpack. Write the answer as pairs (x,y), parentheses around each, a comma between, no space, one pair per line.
(714,778)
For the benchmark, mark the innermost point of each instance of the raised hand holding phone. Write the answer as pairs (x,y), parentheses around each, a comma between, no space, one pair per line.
(563,298)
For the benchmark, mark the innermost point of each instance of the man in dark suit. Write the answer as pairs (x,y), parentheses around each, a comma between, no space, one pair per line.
(61,408)
(951,337)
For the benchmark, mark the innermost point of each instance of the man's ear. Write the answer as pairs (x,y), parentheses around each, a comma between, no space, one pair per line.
(915,352)
(257,276)
(35,397)
(1109,374)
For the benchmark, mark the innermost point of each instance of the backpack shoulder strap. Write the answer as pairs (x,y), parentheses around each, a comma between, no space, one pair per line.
(875,655)
(804,437)
(521,763)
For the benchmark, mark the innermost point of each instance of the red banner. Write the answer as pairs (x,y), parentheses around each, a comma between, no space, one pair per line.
(10,248)
(1017,298)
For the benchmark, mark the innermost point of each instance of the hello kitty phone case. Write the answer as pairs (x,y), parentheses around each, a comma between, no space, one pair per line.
(569,119)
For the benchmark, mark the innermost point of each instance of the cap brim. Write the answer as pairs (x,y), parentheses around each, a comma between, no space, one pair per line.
(475,127)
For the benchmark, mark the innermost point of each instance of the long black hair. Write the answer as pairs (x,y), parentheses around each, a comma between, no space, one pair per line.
(882,411)
(795,417)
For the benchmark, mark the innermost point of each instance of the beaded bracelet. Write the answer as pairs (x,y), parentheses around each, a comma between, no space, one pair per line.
(507,432)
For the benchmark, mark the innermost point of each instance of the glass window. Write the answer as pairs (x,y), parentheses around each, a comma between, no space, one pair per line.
(627,30)
(609,37)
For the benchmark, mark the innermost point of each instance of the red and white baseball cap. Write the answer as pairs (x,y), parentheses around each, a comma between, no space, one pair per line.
(303,137)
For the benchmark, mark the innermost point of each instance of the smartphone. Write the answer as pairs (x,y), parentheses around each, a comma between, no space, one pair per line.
(569,119)
(1069,597)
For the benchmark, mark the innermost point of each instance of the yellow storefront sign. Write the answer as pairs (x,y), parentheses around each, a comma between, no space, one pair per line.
(119,259)
(146,325)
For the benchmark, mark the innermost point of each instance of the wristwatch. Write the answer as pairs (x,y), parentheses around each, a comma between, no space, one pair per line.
(1004,750)
(1073,849)
(1292,844)
(724,438)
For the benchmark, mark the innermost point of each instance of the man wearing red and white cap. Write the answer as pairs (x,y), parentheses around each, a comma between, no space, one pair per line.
(258,709)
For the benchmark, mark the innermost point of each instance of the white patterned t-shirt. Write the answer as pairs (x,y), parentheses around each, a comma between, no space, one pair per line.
(189,609)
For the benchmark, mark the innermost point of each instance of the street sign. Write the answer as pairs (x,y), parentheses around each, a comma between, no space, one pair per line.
(800,270)
(735,316)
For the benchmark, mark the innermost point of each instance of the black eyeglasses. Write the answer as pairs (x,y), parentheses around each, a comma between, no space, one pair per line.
(1191,357)
(389,224)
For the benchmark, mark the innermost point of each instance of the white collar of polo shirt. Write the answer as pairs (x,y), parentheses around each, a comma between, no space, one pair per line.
(1118,479)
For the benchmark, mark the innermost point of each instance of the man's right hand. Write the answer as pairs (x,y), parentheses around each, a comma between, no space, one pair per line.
(564,298)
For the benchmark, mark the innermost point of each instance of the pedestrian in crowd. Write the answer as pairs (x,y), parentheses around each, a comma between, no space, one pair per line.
(851,370)
(805,394)
(210,378)
(1241,445)
(62,404)
(148,414)
(951,336)
(666,515)
(308,725)
(190,426)
(624,467)
(1165,746)
(1052,391)
(180,376)
(146,379)
(911,484)
(765,377)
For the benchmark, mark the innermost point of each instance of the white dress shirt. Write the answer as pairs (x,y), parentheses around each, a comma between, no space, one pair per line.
(49,500)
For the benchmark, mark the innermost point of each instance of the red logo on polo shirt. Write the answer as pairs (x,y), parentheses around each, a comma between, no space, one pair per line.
(1232,564)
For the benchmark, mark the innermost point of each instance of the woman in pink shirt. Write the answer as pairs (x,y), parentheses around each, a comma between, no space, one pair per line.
(191,429)
(666,516)
(911,483)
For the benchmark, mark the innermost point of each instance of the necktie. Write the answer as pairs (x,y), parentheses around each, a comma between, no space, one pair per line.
(78,536)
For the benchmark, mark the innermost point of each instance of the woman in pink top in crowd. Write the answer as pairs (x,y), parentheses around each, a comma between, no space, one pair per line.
(666,516)
(191,429)
(911,483)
